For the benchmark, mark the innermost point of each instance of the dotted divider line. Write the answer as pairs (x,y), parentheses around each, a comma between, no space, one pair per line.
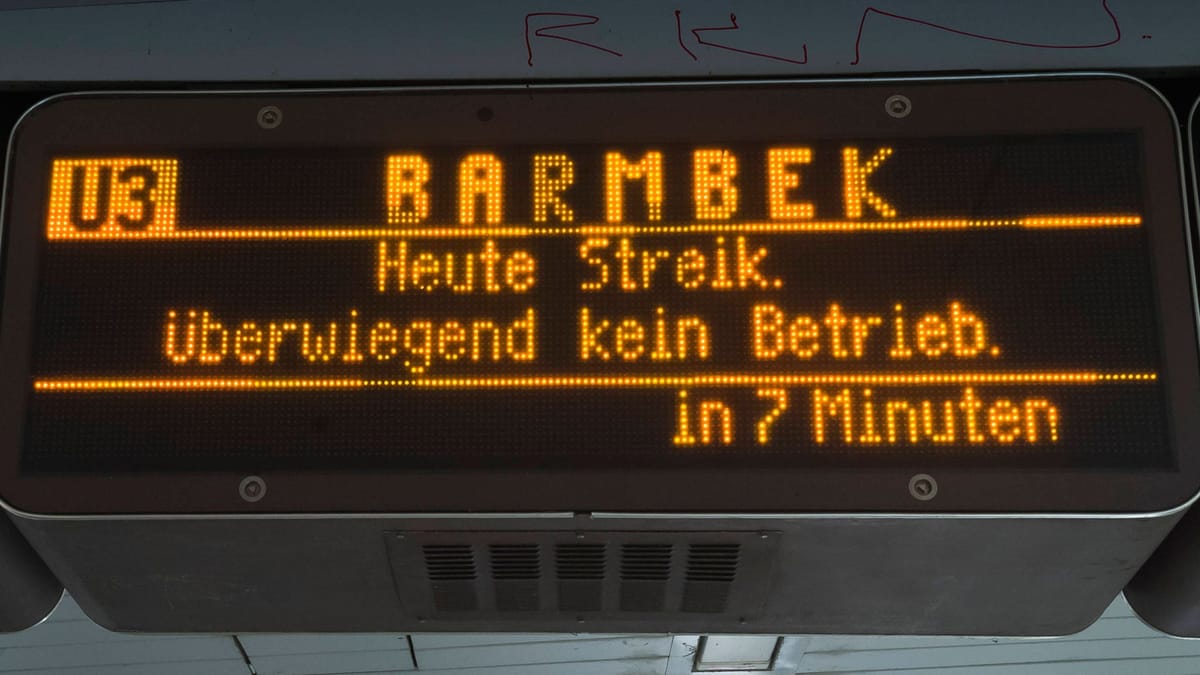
(1100,221)
(52,385)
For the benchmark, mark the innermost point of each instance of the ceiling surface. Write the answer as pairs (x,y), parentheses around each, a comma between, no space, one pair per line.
(69,643)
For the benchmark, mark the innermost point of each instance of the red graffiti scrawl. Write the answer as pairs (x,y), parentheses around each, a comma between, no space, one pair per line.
(990,38)
(544,31)
(733,26)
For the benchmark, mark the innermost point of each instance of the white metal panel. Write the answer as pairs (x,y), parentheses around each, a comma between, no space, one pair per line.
(736,652)
(1117,643)
(266,40)
(1160,666)
(451,640)
(1103,629)
(377,673)
(974,656)
(333,663)
(65,632)
(565,652)
(226,667)
(787,655)
(301,643)
(655,666)
(69,644)
(160,650)
(324,654)
(52,4)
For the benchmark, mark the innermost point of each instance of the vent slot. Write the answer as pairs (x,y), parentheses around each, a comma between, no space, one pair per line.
(645,570)
(579,561)
(515,562)
(711,571)
(513,579)
(516,569)
(646,562)
(451,572)
(580,572)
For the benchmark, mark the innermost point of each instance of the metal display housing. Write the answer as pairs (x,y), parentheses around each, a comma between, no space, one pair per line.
(1166,591)
(995,553)
(29,590)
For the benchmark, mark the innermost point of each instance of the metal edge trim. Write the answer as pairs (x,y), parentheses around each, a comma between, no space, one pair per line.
(18,513)
(596,515)
(62,596)
(1146,622)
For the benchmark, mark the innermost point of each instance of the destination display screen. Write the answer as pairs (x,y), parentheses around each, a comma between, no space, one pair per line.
(761,298)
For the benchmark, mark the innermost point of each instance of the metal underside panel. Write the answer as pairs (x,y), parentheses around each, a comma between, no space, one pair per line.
(821,574)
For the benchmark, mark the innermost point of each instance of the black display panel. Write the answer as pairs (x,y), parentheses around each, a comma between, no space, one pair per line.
(469,292)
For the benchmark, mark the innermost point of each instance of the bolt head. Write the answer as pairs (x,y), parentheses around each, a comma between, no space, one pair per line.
(252,488)
(898,106)
(270,117)
(922,487)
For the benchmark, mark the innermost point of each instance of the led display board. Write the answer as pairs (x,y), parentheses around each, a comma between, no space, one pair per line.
(715,298)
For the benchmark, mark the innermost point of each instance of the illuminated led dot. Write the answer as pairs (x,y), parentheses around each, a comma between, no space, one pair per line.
(736,379)
(552,174)
(406,196)
(480,175)
(617,170)
(138,197)
(66,231)
(714,195)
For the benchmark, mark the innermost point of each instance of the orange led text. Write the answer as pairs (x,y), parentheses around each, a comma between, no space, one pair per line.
(840,334)
(867,417)
(112,196)
(197,336)
(483,268)
(483,181)
(656,338)
(722,264)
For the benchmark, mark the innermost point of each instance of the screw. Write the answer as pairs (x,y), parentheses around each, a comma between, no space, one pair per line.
(270,117)
(923,487)
(897,106)
(252,488)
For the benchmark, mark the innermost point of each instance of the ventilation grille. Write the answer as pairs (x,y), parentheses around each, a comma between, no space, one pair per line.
(580,569)
(450,562)
(713,562)
(645,570)
(451,571)
(711,571)
(579,562)
(471,575)
(515,561)
(516,569)
(646,562)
